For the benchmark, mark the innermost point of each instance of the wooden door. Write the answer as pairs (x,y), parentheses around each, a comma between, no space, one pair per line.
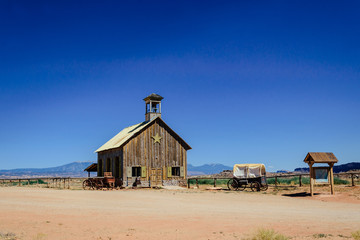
(156,177)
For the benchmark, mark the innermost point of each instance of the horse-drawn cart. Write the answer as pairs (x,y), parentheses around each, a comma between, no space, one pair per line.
(248,175)
(99,182)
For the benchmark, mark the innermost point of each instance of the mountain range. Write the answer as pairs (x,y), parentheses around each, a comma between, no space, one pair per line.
(337,168)
(74,169)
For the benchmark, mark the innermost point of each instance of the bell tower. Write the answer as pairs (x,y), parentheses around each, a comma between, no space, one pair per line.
(152,106)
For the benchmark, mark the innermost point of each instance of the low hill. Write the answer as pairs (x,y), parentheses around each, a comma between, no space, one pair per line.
(206,169)
(337,168)
(75,169)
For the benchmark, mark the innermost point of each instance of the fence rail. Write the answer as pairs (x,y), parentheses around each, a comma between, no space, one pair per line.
(50,182)
(66,182)
(352,175)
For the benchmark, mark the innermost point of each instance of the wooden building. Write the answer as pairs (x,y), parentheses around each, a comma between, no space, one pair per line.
(150,151)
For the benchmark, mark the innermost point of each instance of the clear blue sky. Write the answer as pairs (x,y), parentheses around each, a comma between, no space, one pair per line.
(243,81)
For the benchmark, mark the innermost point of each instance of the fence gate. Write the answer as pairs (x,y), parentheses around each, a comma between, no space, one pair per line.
(156,177)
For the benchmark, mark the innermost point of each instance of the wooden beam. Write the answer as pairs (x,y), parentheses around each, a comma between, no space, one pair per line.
(332,178)
(311,179)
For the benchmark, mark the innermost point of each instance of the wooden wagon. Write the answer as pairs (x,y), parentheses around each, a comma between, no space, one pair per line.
(108,181)
(248,175)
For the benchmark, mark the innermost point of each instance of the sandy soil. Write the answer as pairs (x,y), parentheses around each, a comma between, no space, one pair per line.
(40,213)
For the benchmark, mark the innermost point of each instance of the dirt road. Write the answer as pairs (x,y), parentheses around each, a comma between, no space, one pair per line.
(37,213)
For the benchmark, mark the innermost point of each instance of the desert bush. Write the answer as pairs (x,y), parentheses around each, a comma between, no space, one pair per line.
(356,235)
(340,181)
(280,180)
(304,180)
(209,181)
(267,234)
(32,182)
(8,236)
(322,235)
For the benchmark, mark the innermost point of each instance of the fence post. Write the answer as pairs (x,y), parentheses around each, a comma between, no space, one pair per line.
(214,182)
(19,182)
(197,183)
(276,181)
(300,180)
(188,183)
(352,180)
(28,182)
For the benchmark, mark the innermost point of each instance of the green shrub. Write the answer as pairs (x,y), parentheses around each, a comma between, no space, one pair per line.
(340,181)
(304,180)
(270,180)
(209,181)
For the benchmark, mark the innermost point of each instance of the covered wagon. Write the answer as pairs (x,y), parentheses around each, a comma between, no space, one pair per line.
(248,175)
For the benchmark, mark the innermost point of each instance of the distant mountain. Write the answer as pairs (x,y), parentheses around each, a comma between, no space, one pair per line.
(337,168)
(206,169)
(75,169)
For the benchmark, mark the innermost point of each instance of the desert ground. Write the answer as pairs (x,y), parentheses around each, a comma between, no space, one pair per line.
(42,213)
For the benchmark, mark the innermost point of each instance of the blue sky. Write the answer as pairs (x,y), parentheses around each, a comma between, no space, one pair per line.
(242,81)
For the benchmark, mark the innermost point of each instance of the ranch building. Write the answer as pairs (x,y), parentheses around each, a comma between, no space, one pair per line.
(149,151)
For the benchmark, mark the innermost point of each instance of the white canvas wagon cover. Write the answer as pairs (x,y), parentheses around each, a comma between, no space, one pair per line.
(249,170)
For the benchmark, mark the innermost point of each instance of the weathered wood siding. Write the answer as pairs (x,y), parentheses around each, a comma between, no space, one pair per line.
(142,151)
(111,156)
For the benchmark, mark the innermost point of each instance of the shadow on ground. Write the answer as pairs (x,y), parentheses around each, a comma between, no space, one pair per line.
(301,194)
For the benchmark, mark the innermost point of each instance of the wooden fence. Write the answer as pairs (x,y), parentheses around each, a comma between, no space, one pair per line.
(68,182)
(51,182)
(352,175)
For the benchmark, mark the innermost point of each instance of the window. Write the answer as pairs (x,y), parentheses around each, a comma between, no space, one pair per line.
(100,168)
(136,171)
(175,171)
(117,167)
(108,168)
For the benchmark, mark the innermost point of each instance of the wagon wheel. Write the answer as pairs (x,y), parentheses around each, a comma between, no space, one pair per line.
(255,186)
(99,184)
(232,184)
(87,184)
(241,187)
(264,187)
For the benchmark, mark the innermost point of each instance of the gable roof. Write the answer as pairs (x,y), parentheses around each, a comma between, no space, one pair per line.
(320,157)
(127,133)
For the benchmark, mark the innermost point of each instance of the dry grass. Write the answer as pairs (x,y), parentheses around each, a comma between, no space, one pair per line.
(267,234)
(8,236)
(356,235)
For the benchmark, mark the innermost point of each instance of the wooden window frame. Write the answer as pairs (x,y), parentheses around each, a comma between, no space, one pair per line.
(136,170)
(175,171)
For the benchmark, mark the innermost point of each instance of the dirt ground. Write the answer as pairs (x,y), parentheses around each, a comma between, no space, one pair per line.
(41,213)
